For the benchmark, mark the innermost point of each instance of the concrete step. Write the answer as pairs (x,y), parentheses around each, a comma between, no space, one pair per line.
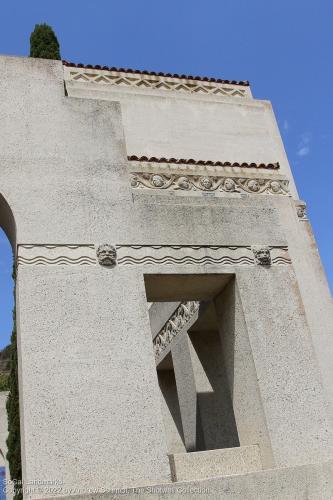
(213,463)
(305,482)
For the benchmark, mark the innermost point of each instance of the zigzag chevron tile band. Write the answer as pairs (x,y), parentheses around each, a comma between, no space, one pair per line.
(124,79)
(197,255)
(56,255)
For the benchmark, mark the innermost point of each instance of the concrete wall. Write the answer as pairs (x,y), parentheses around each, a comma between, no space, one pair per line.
(175,125)
(286,366)
(314,289)
(80,392)
(64,177)
(241,373)
(171,412)
(63,157)
(89,398)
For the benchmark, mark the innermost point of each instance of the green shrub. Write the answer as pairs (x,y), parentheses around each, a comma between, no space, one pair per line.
(4,382)
(44,43)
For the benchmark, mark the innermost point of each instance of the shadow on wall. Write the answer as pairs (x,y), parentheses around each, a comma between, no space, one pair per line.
(214,405)
(197,395)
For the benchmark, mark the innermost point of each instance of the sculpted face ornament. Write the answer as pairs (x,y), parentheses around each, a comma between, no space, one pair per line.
(254,186)
(206,182)
(134,181)
(301,211)
(229,185)
(157,181)
(183,183)
(262,255)
(107,255)
(275,186)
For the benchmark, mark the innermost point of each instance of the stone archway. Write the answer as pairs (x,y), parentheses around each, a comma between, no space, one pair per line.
(7,222)
(8,239)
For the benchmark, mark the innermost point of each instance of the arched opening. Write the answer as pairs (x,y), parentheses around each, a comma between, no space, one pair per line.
(6,291)
(7,250)
(9,405)
(7,222)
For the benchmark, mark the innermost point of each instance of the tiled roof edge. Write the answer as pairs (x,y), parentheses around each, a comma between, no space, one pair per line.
(268,166)
(243,83)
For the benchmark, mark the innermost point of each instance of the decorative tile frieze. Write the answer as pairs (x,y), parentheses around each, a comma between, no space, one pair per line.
(244,83)
(142,255)
(129,255)
(56,255)
(159,82)
(178,321)
(208,183)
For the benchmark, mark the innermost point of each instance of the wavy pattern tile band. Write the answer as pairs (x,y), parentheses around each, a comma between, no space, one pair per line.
(143,255)
(168,259)
(66,261)
(56,255)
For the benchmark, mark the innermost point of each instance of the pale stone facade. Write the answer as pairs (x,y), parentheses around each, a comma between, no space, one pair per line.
(174,320)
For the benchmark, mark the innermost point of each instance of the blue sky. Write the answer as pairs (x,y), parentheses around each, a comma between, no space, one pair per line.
(283,47)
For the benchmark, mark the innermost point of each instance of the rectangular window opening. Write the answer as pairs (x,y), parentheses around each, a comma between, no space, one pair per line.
(186,336)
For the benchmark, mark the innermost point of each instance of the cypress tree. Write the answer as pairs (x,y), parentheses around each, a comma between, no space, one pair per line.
(4,368)
(14,439)
(44,43)
(3,382)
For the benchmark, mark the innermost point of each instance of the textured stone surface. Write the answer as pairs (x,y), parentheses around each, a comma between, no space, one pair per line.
(68,165)
(286,366)
(241,373)
(314,289)
(87,414)
(186,391)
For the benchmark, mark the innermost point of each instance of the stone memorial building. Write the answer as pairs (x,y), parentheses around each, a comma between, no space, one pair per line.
(174,320)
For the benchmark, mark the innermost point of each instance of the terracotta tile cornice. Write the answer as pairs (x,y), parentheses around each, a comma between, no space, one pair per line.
(182,161)
(243,83)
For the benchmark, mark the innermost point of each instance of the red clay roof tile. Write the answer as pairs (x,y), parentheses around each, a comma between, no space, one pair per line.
(154,159)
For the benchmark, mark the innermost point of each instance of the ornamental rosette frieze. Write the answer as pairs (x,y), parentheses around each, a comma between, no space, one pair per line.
(174,326)
(208,183)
